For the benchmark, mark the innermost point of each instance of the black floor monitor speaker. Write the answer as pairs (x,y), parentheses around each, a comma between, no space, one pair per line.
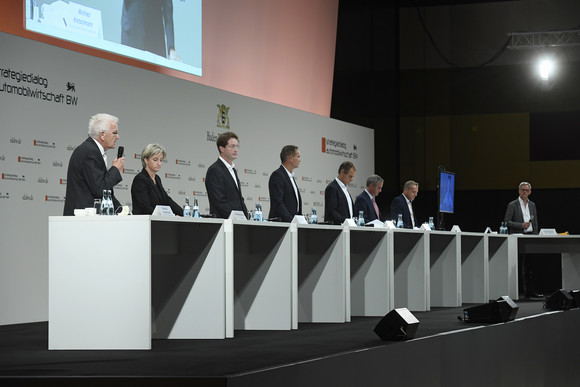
(398,324)
(501,310)
(576,296)
(560,300)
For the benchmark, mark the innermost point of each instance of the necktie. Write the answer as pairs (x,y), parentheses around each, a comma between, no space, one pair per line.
(376,207)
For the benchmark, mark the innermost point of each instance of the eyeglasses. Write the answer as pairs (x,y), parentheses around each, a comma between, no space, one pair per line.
(234,146)
(525,189)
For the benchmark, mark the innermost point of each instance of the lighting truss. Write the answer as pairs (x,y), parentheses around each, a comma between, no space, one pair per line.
(523,40)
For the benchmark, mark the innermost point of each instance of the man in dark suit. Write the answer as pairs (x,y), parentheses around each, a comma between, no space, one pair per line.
(338,204)
(285,199)
(366,203)
(148,25)
(221,180)
(87,174)
(521,217)
(403,204)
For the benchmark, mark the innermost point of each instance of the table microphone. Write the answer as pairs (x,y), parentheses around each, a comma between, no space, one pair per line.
(120,152)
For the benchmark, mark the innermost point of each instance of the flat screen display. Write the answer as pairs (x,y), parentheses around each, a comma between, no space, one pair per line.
(446,191)
(167,33)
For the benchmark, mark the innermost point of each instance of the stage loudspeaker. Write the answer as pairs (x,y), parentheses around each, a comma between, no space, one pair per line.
(501,310)
(560,300)
(398,324)
(576,296)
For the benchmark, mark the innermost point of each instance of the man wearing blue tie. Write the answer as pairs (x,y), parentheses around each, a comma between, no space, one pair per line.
(285,199)
(366,203)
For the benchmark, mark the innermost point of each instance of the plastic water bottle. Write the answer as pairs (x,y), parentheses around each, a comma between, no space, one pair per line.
(313,216)
(187,208)
(110,206)
(503,228)
(361,219)
(431,223)
(258,212)
(103,209)
(195,207)
(400,221)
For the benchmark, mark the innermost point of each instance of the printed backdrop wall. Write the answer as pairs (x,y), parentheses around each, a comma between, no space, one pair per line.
(48,94)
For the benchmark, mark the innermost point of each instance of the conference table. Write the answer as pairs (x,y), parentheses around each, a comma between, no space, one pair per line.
(117,282)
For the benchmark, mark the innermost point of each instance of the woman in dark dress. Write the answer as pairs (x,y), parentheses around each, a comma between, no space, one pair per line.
(147,190)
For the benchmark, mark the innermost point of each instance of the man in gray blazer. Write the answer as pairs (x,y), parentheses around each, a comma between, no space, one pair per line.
(521,217)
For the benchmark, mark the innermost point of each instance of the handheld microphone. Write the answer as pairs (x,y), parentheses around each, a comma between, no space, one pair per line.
(120,152)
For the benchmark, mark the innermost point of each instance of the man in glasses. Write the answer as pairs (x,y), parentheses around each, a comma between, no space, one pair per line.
(221,179)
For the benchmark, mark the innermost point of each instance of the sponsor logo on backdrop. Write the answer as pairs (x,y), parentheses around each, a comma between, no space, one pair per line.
(250,171)
(257,186)
(44,144)
(244,184)
(191,178)
(301,190)
(27,197)
(70,147)
(249,199)
(130,171)
(122,187)
(200,193)
(317,204)
(13,177)
(28,160)
(265,174)
(182,192)
(52,198)
(338,148)
(63,181)
(306,178)
(24,84)
(57,164)
(4,195)
(200,165)
(223,119)
(263,199)
(43,180)
(172,176)
(183,162)
(2,157)
(14,140)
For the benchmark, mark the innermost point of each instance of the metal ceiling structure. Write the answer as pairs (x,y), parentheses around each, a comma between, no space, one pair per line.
(523,40)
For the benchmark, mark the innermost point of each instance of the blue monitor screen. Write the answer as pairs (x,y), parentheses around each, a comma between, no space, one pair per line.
(163,32)
(446,191)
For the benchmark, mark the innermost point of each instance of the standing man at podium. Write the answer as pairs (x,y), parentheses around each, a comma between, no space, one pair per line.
(366,203)
(403,204)
(338,204)
(522,218)
(285,199)
(221,179)
(87,175)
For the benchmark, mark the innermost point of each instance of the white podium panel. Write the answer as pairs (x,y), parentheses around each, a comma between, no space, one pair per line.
(410,252)
(474,268)
(99,283)
(568,246)
(445,268)
(371,272)
(262,276)
(503,268)
(114,282)
(322,258)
